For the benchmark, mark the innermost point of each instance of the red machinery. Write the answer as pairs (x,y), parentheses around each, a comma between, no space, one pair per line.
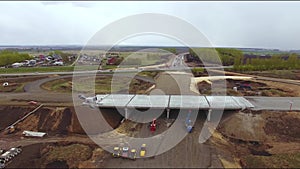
(153,125)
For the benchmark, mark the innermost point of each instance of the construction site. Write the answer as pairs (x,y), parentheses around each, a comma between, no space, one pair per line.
(255,129)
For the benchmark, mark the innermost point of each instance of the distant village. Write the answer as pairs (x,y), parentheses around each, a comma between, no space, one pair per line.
(110,58)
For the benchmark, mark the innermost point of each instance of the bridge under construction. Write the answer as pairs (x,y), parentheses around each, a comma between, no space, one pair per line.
(129,102)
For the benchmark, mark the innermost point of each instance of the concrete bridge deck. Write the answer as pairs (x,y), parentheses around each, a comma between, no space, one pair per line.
(172,102)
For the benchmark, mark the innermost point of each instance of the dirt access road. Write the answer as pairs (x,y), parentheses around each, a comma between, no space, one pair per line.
(188,153)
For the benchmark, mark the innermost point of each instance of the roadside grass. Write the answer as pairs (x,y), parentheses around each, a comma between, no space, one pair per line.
(284,74)
(36,69)
(48,69)
(148,74)
(102,85)
(274,161)
(20,88)
(109,66)
(55,85)
(15,88)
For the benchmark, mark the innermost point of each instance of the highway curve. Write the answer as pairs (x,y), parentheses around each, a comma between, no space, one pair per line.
(33,90)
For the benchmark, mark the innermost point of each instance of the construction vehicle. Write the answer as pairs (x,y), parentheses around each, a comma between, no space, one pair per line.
(143,150)
(32,102)
(9,130)
(125,152)
(132,154)
(153,125)
(116,152)
(188,122)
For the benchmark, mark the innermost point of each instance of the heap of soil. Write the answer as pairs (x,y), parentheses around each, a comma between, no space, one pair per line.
(62,121)
(259,134)
(285,126)
(52,121)
(11,114)
(29,158)
(35,156)
(57,164)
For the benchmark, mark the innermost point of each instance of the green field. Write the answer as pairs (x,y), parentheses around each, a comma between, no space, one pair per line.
(47,69)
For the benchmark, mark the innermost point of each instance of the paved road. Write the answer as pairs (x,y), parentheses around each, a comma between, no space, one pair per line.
(35,86)
(274,103)
(33,91)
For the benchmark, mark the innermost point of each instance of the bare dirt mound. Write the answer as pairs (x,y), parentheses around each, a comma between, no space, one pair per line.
(284,126)
(11,114)
(55,155)
(263,126)
(29,158)
(57,164)
(269,139)
(244,126)
(52,121)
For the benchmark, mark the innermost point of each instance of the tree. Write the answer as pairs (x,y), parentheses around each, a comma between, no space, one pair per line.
(8,57)
(172,50)
(227,56)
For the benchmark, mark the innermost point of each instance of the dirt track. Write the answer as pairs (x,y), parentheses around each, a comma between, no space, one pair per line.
(188,153)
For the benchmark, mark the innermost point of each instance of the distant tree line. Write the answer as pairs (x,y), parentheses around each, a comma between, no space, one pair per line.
(275,62)
(227,56)
(241,62)
(172,50)
(8,57)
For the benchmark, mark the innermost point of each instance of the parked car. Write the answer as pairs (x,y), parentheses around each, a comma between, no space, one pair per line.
(32,102)
(58,63)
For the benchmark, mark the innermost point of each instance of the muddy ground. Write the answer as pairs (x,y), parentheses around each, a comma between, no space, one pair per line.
(283,74)
(57,155)
(52,120)
(243,139)
(66,144)
(258,88)
(263,138)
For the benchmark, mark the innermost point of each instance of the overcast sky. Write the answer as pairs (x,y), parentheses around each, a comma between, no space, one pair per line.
(236,24)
